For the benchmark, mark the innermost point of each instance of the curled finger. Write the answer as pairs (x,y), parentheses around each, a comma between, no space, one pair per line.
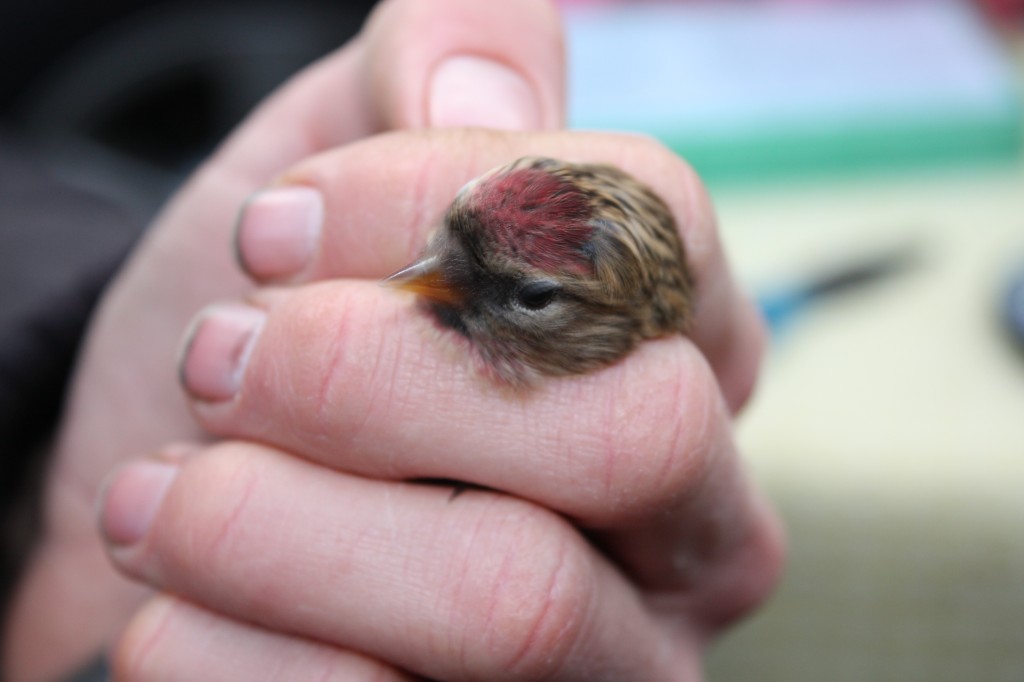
(170,640)
(347,374)
(479,587)
(367,210)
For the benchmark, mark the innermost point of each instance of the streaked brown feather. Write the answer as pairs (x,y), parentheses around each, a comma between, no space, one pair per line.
(623,279)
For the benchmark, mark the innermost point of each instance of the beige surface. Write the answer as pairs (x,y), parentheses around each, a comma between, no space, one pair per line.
(889,428)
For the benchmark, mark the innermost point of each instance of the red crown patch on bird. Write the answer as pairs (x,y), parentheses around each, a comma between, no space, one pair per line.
(536,215)
(553,268)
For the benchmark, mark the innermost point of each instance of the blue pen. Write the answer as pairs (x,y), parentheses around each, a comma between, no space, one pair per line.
(782,306)
(1013,308)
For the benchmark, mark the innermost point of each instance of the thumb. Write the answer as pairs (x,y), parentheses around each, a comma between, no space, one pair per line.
(415,64)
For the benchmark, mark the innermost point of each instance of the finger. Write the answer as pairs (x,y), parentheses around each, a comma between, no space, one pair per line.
(170,639)
(416,64)
(344,96)
(374,203)
(349,374)
(479,587)
(410,67)
(466,63)
(332,102)
(713,569)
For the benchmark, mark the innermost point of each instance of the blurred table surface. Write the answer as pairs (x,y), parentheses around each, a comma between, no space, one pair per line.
(889,429)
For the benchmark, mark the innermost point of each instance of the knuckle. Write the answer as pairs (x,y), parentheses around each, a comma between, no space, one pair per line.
(317,387)
(659,160)
(330,344)
(653,463)
(748,576)
(537,598)
(655,151)
(206,515)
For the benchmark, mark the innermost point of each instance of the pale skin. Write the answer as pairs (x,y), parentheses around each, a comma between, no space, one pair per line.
(617,534)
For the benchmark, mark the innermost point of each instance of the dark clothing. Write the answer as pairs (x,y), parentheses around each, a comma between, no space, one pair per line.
(58,247)
(104,109)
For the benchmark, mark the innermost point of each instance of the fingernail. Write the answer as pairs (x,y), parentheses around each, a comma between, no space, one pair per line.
(131,499)
(217,349)
(473,91)
(277,231)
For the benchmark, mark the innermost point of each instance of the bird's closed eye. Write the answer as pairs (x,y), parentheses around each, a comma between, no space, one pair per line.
(537,295)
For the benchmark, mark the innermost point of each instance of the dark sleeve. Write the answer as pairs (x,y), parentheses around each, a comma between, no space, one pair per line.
(59,246)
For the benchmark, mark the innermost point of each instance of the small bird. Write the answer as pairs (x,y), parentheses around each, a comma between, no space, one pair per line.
(554,268)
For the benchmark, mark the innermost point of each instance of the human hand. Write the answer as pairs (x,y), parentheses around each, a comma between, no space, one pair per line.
(616,534)
(125,398)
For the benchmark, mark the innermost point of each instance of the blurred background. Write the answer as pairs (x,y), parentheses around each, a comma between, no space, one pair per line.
(865,159)
(124,97)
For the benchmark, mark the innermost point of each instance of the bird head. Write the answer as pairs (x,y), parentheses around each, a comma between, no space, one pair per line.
(523,266)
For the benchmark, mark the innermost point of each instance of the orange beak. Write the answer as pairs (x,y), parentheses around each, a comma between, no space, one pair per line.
(425,278)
